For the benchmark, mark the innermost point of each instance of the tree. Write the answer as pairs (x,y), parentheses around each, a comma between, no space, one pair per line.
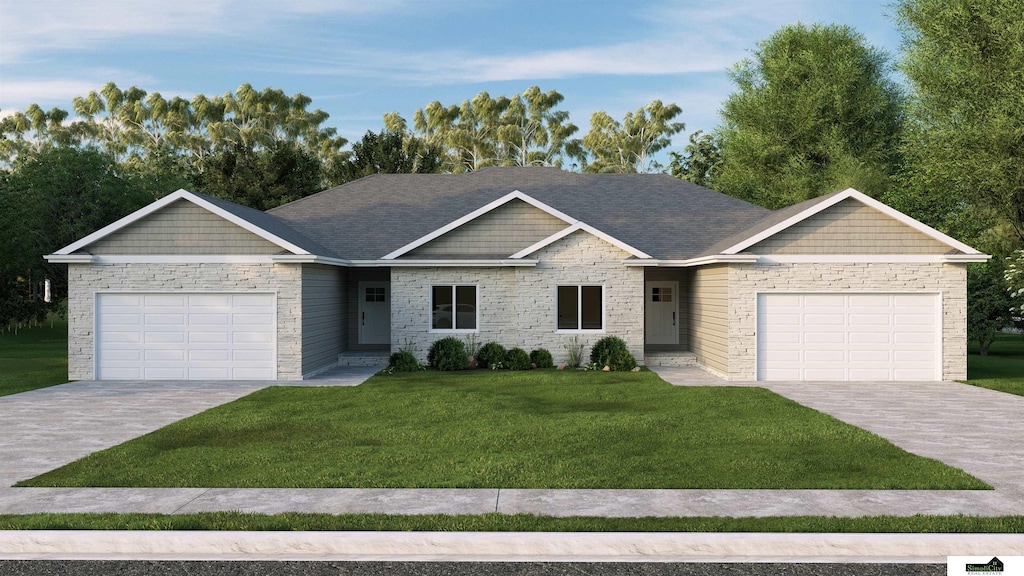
(699,160)
(533,133)
(988,303)
(963,60)
(628,146)
(814,111)
(392,152)
(48,201)
(1014,278)
(261,179)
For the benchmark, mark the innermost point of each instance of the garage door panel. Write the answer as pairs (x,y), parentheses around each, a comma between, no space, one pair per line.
(861,336)
(870,337)
(252,319)
(193,336)
(209,319)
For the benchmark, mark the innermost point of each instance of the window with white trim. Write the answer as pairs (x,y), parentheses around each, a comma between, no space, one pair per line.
(580,307)
(453,308)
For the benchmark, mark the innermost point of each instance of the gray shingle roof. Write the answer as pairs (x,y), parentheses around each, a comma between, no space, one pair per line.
(272,224)
(771,219)
(658,214)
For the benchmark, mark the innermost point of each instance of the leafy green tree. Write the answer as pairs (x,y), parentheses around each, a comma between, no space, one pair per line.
(261,179)
(628,146)
(815,111)
(699,160)
(391,152)
(48,201)
(533,133)
(1014,278)
(963,60)
(989,303)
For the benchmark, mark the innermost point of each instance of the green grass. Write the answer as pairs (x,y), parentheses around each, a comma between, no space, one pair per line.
(536,429)
(1002,369)
(511,523)
(34,358)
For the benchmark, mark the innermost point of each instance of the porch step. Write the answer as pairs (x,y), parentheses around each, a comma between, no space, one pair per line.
(364,358)
(670,359)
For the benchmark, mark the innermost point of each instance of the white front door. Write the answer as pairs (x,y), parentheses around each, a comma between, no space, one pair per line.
(849,336)
(662,313)
(374,313)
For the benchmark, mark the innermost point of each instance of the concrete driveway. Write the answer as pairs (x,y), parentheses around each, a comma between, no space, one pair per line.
(978,430)
(47,428)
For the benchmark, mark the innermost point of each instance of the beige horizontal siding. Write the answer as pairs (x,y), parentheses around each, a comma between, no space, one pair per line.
(708,316)
(502,231)
(182,228)
(850,227)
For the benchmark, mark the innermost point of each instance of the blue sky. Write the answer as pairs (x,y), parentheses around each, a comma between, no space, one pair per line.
(358,59)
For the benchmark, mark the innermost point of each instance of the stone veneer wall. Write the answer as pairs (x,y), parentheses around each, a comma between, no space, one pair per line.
(517,305)
(84,280)
(746,280)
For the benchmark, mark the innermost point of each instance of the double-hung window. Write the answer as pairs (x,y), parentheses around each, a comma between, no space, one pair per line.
(580,307)
(453,308)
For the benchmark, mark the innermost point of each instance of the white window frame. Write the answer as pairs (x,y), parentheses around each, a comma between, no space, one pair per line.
(579,309)
(430,309)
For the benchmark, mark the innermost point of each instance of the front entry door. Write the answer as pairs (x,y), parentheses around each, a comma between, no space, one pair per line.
(374,313)
(662,313)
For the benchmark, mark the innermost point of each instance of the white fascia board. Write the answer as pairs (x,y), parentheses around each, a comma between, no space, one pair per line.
(465,263)
(173,197)
(867,201)
(702,261)
(515,195)
(309,259)
(184,259)
(870,258)
(586,228)
(70,258)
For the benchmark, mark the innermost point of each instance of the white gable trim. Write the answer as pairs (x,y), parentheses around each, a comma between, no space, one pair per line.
(179,195)
(516,195)
(862,198)
(575,228)
(871,258)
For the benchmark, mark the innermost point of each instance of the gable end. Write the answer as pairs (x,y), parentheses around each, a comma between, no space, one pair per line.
(181,228)
(498,233)
(850,227)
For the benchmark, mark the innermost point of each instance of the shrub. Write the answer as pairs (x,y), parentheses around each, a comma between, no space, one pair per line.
(517,359)
(448,354)
(611,351)
(403,361)
(574,352)
(542,358)
(490,353)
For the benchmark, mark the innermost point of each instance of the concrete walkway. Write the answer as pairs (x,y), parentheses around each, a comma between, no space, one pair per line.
(974,429)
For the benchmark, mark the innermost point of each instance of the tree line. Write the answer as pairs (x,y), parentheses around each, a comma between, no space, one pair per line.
(814,109)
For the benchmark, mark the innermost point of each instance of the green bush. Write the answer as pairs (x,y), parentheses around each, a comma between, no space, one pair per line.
(517,359)
(403,361)
(448,354)
(490,353)
(542,358)
(611,351)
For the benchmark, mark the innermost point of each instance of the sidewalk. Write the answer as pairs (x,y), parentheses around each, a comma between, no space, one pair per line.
(603,503)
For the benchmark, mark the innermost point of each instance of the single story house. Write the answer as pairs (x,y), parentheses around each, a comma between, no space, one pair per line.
(841,287)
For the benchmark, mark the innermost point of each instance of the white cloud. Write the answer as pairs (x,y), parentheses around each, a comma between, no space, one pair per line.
(33,26)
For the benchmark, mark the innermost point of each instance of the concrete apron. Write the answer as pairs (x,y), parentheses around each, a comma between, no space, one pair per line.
(492,546)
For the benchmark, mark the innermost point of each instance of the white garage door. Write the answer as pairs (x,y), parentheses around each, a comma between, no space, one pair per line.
(186,337)
(848,337)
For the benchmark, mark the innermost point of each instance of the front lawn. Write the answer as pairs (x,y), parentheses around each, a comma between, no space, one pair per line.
(34,358)
(1002,369)
(536,429)
(512,523)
